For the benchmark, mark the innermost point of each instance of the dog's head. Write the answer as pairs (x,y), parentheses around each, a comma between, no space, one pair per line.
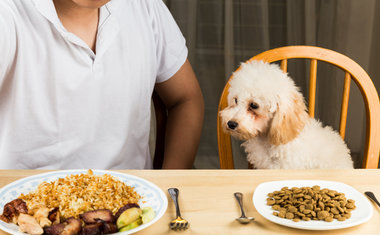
(263,100)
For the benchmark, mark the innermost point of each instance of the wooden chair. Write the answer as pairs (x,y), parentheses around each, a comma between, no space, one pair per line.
(352,71)
(161,119)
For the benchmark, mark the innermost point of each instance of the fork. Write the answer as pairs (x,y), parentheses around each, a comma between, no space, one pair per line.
(178,223)
(372,197)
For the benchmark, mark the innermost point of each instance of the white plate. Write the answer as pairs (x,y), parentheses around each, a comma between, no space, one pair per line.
(362,213)
(152,195)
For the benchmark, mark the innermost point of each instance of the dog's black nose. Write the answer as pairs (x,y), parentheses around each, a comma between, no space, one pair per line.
(232,125)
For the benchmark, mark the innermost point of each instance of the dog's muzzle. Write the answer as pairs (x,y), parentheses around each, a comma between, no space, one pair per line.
(232,125)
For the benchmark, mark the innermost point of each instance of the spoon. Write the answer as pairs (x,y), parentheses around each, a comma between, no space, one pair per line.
(372,197)
(242,219)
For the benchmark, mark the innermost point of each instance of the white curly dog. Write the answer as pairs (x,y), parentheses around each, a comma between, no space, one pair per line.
(268,112)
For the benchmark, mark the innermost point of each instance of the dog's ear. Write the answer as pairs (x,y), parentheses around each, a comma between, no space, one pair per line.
(288,121)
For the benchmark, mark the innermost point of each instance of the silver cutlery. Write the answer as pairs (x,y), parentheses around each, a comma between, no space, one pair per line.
(372,197)
(178,223)
(243,218)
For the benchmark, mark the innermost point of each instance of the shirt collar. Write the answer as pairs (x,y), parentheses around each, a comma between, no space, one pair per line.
(108,26)
(47,9)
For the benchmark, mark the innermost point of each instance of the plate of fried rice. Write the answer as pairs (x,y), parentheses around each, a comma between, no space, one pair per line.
(75,192)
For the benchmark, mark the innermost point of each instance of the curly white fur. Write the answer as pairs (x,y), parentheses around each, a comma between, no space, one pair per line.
(266,109)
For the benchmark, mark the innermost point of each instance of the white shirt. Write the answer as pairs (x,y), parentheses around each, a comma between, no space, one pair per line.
(62,106)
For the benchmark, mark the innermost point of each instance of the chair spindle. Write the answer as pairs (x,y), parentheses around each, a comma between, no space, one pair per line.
(312,86)
(345,98)
(284,65)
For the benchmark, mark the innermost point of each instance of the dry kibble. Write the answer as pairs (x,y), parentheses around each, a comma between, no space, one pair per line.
(282,209)
(292,209)
(334,211)
(341,218)
(322,215)
(289,215)
(281,214)
(313,214)
(300,214)
(271,202)
(306,211)
(310,203)
(348,215)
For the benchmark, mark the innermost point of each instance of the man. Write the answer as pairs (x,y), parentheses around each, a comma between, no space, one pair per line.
(76,78)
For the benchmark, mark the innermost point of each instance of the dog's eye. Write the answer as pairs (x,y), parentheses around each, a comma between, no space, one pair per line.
(253,106)
(235,99)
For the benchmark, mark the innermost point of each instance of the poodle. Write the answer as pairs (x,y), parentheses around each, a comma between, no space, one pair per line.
(268,112)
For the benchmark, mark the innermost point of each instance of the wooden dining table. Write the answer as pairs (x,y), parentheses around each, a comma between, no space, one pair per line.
(207,202)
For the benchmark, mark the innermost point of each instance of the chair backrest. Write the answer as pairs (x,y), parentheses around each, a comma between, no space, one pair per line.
(161,119)
(352,71)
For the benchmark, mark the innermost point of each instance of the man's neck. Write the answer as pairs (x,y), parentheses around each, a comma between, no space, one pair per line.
(79,20)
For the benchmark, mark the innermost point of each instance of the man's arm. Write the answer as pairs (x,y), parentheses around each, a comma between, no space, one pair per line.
(184,101)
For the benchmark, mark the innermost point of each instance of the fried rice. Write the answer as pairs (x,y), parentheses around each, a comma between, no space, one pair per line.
(76,194)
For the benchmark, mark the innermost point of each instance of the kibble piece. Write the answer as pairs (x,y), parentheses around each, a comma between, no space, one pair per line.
(313,213)
(347,215)
(289,215)
(300,214)
(340,209)
(331,194)
(297,190)
(341,218)
(292,209)
(309,206)
(306,211)
(316,188)
(271,202)
(322,215)
(282,209)
(321,205)
(282,214)
(334,211)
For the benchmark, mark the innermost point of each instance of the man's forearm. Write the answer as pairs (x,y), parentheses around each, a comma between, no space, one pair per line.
(183,133)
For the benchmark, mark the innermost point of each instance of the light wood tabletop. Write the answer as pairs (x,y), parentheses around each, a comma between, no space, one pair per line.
(207,202)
